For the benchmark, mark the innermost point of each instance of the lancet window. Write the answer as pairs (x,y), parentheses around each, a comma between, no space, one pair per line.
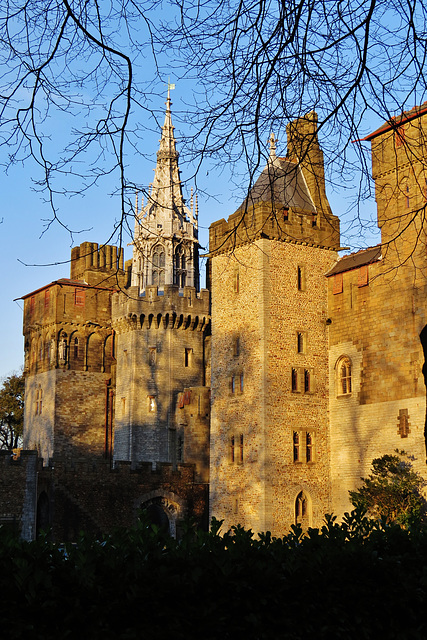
(180,266)
(158,263)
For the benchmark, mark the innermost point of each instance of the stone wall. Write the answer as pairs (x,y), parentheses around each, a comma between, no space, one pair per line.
(261,300)
(160,351)
(18,491)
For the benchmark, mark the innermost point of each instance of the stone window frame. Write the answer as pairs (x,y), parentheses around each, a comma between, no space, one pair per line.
(151,404)
(188,357)
(301,341)
(39,401)
(236,448)
(299,378)
(303,509)
(344,377)
(236,346)
(237,382)
(152,356)
(338,283)
(79,297)
(303,446)
(158,265)
(301,277)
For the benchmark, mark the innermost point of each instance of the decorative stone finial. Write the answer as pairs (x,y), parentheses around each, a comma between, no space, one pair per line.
(272,141)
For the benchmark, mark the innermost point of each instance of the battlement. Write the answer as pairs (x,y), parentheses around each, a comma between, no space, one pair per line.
(92,263)
(82,467)
(190,310)
(265,220)
(17,458)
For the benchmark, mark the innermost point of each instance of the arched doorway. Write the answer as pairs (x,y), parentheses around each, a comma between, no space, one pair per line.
(163,511)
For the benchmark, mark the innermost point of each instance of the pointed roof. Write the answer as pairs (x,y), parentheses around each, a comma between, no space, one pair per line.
(282,183)
(166,192)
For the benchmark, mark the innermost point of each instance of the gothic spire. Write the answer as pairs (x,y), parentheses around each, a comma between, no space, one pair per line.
(165,243)
(166,192)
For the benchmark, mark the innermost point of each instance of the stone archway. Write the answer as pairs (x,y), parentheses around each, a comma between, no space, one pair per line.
(163,511)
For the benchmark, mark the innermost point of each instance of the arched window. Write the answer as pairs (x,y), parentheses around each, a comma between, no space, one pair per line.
(344,376)
(302,510)
(158,262)
(180,266)
(63,348)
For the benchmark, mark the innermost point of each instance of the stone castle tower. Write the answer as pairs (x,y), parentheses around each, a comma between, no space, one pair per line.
(378,318)
(162,323)
(69,357)
(269,421)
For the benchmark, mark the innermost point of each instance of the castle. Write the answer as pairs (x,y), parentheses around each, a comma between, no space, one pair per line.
(261,400)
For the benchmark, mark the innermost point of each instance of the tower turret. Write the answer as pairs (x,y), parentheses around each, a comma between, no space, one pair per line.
(166,249)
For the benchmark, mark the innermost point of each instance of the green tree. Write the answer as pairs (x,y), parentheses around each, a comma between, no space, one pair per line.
(392,491)
(12,411)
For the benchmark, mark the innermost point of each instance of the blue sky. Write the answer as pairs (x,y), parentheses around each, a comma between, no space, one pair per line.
(24,240)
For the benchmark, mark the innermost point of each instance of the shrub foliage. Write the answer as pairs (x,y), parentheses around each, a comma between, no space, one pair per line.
(358,579)
(392,491)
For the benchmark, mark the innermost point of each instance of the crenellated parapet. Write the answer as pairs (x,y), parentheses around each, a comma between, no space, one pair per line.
(98,264)
(187,310)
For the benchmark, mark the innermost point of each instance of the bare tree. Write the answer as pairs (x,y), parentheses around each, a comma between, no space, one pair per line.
(255,66)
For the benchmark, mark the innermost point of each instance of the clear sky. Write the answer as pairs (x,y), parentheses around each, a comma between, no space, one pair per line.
(25,243)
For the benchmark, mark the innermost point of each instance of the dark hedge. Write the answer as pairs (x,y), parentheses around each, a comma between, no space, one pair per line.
(360,579)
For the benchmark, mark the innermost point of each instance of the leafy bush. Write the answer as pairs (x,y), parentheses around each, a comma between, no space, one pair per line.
(357,579)
(392,491)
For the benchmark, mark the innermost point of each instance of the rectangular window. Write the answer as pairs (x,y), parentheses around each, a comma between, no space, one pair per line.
(46,298)
(301,342)
(79,297)
(39,401)
(301,278)
(232,449)
(308,447)
(303,446)
(241,448)
(294,380)
(187,357)
(152,356)
(399,136)
(285,214)
(296,446)
(241,383)
(180,449)
(363,277)
(236,280)
(32,305)
(337,284)
(236,346)
(307,385)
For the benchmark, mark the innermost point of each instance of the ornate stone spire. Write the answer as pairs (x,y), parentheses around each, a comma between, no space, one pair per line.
(166,191)
(165,242)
